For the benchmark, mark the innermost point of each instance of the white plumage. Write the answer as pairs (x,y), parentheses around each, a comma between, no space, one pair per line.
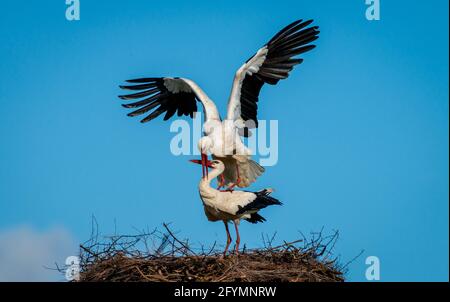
(222,138)
(235,205)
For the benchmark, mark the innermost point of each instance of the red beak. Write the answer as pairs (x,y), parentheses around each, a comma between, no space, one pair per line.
(198,161)
(205,164)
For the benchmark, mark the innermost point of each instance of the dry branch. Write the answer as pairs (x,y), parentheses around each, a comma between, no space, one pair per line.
(161,256)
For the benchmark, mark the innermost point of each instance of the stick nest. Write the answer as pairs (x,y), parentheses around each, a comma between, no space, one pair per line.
(159,256)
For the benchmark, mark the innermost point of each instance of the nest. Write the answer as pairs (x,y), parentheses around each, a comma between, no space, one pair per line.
(159,256)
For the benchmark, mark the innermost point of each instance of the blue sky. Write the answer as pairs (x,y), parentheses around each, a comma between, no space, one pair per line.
(363,124)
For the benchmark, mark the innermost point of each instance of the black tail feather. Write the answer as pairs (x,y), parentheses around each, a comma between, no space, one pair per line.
(261,201)
(255,218)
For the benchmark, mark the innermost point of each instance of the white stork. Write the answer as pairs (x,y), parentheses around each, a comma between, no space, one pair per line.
(270,64)
(234,206)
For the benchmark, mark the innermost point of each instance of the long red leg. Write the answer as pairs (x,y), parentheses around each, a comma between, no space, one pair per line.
(228,238)
(238,238)
(221,182)
(238,180)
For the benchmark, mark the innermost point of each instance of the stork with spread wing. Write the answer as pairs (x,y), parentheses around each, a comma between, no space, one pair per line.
(222,138)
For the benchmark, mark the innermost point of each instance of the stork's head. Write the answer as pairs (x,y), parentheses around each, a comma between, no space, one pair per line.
(216,165)
(205,144)
(213,164)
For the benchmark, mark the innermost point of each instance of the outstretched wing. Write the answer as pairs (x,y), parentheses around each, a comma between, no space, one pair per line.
(271,63)
(164,95)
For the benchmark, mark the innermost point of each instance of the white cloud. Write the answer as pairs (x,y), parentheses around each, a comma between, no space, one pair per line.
(25,252)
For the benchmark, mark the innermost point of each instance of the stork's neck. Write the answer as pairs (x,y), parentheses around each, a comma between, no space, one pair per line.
(206,182)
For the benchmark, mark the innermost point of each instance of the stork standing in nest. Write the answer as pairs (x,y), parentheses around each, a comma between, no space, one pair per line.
(222,138)
(231,206)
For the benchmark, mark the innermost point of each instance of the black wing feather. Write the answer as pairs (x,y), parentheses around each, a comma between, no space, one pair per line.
(142,102)
(156,94)
(138,87)
(291,41)
(262,200)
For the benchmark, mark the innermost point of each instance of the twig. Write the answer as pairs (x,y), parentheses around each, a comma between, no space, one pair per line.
(176,239)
